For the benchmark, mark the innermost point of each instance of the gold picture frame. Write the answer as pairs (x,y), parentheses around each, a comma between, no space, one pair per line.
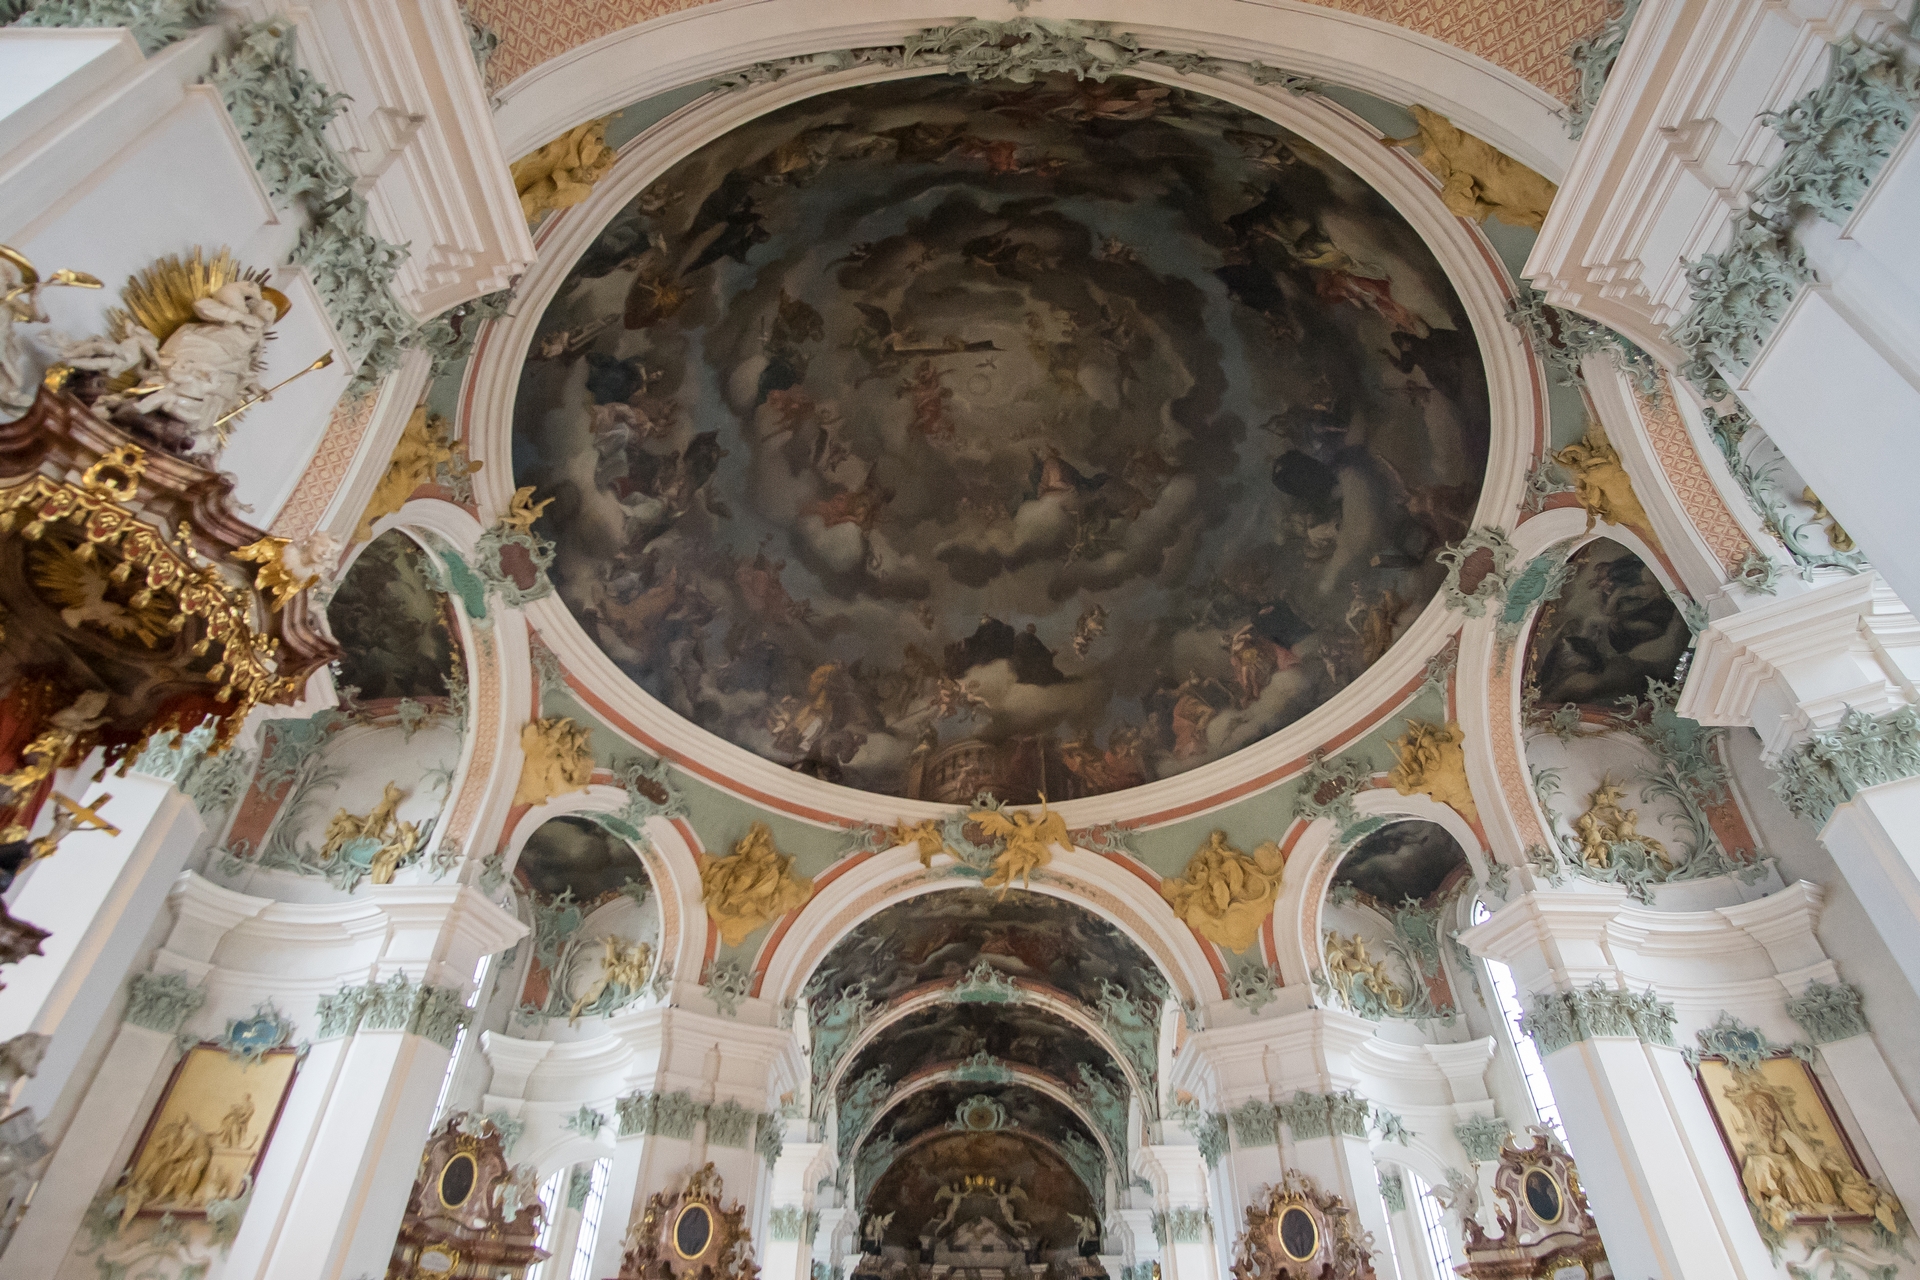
(209,1132)
(1795,1162)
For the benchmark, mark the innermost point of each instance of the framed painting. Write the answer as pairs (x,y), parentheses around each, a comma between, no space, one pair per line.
(1795,1163)
(209,1132)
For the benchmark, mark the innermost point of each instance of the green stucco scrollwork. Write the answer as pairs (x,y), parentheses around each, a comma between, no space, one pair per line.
(1833,766)
(162,1001)
(1593,56)
(1561,1018)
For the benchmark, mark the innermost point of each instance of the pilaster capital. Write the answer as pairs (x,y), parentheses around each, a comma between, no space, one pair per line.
(1794,666)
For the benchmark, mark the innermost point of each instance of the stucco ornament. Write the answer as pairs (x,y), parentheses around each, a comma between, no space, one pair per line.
(562,173)
(425,447)
(186,350)
(925,836)
(1593,56)
(155,24)
(20,286)
(373,846)
(623,965)
(1432,760)
(1600,483)
(1840,134)
(1863,750)
(559,759)
(1475,180)
(1360,981)
(1023,48)
(754,885)
(1224,895)
(1026,843)
(1607,823)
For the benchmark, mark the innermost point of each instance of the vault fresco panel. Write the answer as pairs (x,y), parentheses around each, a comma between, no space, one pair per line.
(1611,630)
(392,624)
(936,437)
(1401,861)
(1053,1192)
(941,936)
(1015,1033)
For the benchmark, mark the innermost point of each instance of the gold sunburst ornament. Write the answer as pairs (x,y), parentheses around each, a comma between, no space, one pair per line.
(160,298)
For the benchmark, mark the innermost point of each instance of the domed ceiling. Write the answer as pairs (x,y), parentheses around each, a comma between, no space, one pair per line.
(937,436)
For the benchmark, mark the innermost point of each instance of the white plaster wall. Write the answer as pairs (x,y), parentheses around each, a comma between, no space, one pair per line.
(144,164)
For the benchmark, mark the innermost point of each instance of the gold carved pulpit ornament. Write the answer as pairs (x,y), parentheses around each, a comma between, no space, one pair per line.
(752,886)
(1224,895)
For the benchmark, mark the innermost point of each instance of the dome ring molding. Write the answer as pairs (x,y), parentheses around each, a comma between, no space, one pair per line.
(1517,402)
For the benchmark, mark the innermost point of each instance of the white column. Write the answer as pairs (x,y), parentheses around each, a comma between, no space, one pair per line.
(100,895)
(123,1091)
(1188,1253)
(1797,666)
(1667,1199)
(335,1185)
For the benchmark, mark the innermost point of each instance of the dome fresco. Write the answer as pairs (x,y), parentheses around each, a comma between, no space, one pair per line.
(936,437)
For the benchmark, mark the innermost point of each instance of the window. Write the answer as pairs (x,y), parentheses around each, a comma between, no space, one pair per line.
(1435,1226)
(590,1221)
(460,1040)
(1524,1049)
(553,1196)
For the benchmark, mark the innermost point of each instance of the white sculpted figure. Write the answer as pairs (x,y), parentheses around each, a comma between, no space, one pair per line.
(206,367)
(20,286)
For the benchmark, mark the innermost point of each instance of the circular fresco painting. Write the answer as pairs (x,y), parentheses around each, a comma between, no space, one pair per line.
(936,437)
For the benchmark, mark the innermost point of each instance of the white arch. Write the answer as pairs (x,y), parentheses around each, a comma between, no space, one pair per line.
(1086,879)
(1514,383)
(1297,916)
(1387,61)
(1023,1075)
(669,861)
(1066,1010)
(1490,677)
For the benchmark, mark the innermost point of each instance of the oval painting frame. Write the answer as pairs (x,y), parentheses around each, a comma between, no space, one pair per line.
(472,1177)
(1287,1225)
(1548,1186)
(680,1222)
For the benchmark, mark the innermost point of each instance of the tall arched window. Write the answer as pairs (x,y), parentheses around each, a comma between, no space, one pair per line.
(1524,1049)
(1438,1242)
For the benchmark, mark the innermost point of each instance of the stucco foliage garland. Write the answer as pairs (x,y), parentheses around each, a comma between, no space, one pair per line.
(1744,1046)
(1593,56)
(281,111)
(1563,339)
(1321,1115)
(859,1104)
(727,984)
(1738,295)
(398,1004)
(1829,1011)
(1181,1226)
(1832,766)
(1018,49)
(1253,985)
(1208,1129)
(1256,1123)
(214,783)
(1561,1018)
(1133,1024)
(162,1001)
(1106,1104)
(155,24)
(1393,1191)
(1755,461)
(1839,135)
(791,1222)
